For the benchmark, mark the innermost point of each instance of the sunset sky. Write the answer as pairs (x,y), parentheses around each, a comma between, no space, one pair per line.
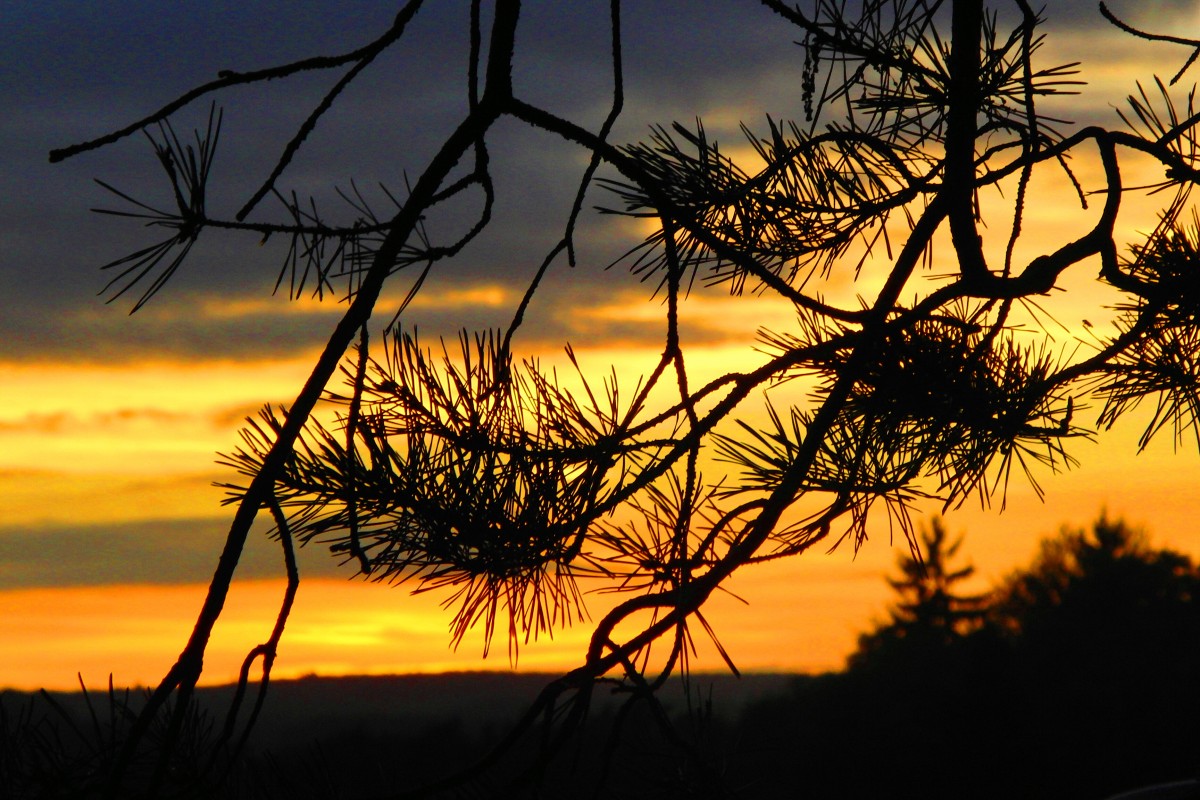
(110,424)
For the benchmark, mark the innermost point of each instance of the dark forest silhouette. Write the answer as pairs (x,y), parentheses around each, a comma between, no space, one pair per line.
(1079,680)
(1075,677)
(466,469)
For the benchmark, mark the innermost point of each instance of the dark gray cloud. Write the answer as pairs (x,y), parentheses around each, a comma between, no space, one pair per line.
(98,333)
(70,71)
(166,551)
(144,50)
(191,322)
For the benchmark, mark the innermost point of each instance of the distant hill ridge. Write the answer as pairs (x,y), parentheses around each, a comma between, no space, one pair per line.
(302,710)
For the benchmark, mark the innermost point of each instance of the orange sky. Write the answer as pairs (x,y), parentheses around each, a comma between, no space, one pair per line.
(99,465)
(99,444)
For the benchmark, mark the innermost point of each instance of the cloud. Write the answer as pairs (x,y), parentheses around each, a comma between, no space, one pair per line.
(85,336)
(45,498)
(37,423)
(578,306)
(165,551)
(1158,16)
(66,422)
(113,64)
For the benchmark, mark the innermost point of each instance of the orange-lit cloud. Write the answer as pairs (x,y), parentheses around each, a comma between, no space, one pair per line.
(36,497)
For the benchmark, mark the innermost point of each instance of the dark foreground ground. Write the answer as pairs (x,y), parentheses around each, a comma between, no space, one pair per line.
(844,735)
(376,736)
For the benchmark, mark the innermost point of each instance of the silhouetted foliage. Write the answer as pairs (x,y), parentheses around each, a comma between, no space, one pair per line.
(59,746)
(1081,683)
(1104,632)
(1108,576)
(351,737)
(474,471)
(929,611)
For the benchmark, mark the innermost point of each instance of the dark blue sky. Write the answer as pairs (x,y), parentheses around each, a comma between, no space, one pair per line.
(73,71)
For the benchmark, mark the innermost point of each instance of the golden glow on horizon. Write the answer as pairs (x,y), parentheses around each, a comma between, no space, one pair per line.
(351,627)
(166,386)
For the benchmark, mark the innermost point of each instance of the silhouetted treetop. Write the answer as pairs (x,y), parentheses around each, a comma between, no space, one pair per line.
(1080,681)
(1108,578)
(930,611)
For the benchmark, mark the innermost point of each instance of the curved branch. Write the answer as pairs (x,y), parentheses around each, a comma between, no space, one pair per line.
(268,650)
(1042,272)
(567,243)
(227,78)
(684,600)
(1156,37)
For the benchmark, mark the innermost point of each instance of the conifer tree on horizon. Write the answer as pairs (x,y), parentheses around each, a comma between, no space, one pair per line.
(929,610)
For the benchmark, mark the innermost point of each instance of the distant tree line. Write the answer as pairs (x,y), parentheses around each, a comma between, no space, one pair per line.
(1076,677)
